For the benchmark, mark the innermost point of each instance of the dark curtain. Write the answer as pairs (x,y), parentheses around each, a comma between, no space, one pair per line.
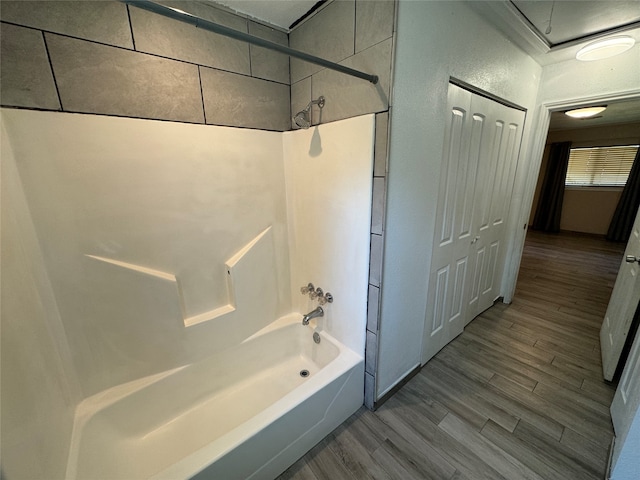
(625,214)
(549,208)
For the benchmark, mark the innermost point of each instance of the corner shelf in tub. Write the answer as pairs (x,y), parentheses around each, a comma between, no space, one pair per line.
(242,281)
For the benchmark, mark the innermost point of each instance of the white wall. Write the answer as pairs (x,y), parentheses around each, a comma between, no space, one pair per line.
(589,210)
(329,186)
(573,79)
(435,41)
(39,389)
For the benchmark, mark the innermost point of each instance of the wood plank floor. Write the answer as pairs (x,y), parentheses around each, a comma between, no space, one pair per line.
(519,395)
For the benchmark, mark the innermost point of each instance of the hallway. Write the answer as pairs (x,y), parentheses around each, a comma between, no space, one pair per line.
(519,395)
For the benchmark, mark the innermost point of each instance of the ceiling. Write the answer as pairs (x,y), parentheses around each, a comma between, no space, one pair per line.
(558,22)
(281,13)
(554,22)
(616,113)
(549,31)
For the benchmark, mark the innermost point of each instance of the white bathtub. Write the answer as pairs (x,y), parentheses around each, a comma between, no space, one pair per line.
(244,413)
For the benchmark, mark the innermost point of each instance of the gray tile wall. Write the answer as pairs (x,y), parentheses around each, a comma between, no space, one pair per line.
(372,23)
(354,33)
(25,75)
(329,34)
(141,85)
(190,44)
(265,63)
(377,252)
(348,96)
(104,57)
(98,21)
(248,101)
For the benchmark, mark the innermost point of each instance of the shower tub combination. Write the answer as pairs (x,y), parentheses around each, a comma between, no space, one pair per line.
(284,393)
(128,276)
(174,390)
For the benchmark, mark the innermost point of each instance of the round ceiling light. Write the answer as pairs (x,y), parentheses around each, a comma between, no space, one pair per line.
(585,112)
(605,48)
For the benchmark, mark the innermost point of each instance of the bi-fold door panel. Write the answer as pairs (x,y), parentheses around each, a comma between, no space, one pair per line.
(499,162)
(449,272)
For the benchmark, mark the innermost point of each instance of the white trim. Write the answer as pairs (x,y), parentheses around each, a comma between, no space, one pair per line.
(560,105)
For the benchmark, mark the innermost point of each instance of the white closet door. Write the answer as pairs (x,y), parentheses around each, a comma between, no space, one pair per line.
(482,140)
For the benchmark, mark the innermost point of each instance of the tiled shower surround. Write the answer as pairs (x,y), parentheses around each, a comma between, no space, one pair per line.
(104,57)
(107,58)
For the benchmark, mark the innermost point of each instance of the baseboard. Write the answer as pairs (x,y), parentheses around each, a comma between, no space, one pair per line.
(571,233)
(607,471)
(378,403)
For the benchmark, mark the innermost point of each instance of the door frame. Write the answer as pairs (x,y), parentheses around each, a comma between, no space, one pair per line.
(535,150)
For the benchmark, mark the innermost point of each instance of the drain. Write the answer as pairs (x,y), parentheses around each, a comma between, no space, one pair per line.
(304,373)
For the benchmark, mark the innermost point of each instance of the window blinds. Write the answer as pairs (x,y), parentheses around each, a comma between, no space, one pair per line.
(600,166)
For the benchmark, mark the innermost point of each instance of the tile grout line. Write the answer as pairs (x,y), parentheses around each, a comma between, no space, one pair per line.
(355,24)
(133,39)
(53,74)
(250,47)
(204,111)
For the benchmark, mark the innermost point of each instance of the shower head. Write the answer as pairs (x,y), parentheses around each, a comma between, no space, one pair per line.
(303,118)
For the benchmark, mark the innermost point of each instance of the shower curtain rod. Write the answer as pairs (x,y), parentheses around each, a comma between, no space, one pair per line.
(198,22)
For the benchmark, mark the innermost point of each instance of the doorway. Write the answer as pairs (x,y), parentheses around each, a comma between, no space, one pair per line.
(605,135)
(587,199)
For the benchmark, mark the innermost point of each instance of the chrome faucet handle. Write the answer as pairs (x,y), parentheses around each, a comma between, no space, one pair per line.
(307,288)
(327,297)
(315,293)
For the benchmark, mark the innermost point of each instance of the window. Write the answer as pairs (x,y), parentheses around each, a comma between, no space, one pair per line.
(600,166)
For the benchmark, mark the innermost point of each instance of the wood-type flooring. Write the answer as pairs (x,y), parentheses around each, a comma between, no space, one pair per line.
(518,395)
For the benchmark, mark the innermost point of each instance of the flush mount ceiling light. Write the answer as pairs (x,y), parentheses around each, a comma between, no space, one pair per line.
(585,112)
(605,48)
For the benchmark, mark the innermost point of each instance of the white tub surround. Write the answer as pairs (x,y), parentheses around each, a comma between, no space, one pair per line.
(39,388)
(248,277)
(155,202)
(329,173)
(170,250)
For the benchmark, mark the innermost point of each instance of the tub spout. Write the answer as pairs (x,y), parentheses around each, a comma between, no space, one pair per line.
(318,312)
